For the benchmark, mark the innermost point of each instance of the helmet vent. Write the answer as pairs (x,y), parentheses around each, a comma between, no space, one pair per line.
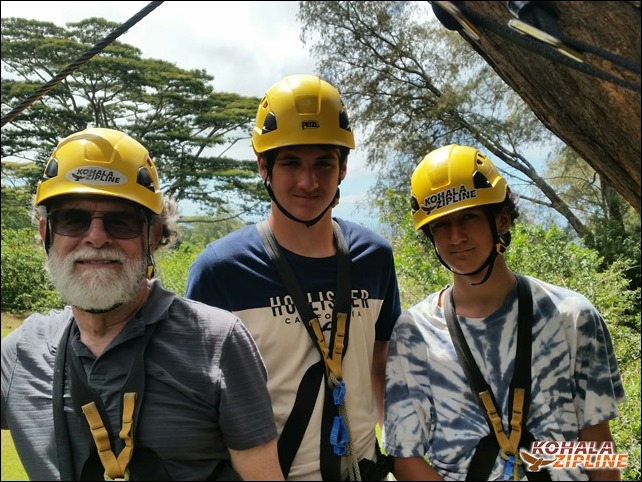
(270,123)
(144,178)
(344,121)
(52,169)
(414,204)
(480,181)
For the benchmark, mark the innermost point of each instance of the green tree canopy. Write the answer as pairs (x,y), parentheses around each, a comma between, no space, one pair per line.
(174,112)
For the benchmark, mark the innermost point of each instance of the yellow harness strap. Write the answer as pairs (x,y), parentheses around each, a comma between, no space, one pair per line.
(332,363)
(508,446)
(115,468)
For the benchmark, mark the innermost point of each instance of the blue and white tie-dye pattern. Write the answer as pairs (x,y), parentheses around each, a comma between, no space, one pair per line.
(431,411)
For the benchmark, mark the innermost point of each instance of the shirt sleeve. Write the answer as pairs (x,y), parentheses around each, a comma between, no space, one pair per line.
(9,357)
(247,419)
(598,380)
(407,403)
(391,308)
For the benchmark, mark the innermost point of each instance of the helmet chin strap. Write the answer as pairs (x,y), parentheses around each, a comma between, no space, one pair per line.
(500,248)
(309,223)
(151,264)
(489,263)
(48,235)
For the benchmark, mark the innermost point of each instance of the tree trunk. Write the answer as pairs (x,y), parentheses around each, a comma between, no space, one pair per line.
(595,116)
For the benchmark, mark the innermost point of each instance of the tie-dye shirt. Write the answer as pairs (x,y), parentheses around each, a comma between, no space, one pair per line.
(430,409)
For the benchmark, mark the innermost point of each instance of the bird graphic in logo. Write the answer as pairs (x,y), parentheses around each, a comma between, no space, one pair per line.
(533,463)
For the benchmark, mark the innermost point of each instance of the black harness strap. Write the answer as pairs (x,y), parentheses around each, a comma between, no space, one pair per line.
(488,448)
(297,422)
(63,446)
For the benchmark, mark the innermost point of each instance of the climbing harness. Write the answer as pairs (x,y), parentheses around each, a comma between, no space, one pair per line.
(141,463)
(519,398)
(89,403)
(339,431)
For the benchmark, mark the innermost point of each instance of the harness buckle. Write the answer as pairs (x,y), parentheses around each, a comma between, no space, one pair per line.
(339,393)
(124,477)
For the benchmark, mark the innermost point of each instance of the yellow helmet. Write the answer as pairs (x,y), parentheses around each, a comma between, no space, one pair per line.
(453,178)
(299,110)
(102,162)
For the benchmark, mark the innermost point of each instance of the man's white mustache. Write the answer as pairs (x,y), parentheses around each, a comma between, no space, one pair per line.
(92,254)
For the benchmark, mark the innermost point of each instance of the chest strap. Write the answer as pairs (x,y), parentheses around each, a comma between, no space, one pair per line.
(89,403)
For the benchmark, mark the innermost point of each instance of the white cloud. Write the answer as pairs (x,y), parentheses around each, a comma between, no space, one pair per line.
(245,46)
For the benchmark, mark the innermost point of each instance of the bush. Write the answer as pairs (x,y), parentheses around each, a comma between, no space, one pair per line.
(25,287)
(172,266)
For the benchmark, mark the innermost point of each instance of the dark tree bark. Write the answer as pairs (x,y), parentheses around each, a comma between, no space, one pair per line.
(598,118)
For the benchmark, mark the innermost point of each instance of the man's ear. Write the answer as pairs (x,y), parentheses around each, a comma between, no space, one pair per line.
(260,160)
(42,229)
(504,220)
(344,170)
(156,235)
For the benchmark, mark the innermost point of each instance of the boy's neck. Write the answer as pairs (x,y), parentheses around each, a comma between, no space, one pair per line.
(316,241)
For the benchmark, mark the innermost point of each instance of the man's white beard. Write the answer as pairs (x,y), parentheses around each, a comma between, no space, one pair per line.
(98,290)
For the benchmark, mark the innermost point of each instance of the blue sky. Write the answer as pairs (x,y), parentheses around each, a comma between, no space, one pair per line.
(245,46)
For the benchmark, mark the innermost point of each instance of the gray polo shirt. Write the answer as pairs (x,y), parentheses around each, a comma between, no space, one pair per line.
(205,388)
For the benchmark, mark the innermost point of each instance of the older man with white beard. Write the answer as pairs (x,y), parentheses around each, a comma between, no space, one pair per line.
(129,381)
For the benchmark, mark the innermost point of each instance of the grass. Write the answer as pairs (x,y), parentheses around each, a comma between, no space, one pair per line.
(9,322)
(11,467)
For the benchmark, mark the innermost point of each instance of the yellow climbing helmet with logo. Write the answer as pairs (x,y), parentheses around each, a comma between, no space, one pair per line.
(301,110)
(101,162)
(452,178)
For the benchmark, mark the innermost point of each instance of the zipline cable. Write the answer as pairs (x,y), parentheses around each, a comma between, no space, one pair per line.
(46,88)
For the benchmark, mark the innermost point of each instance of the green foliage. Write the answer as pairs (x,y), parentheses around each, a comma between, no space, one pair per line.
(612,226)
(173,265)
(615,241)
(25,287)
(15,207)
(200,230)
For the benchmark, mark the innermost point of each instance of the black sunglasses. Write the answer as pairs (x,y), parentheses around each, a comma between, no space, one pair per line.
(76,222)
